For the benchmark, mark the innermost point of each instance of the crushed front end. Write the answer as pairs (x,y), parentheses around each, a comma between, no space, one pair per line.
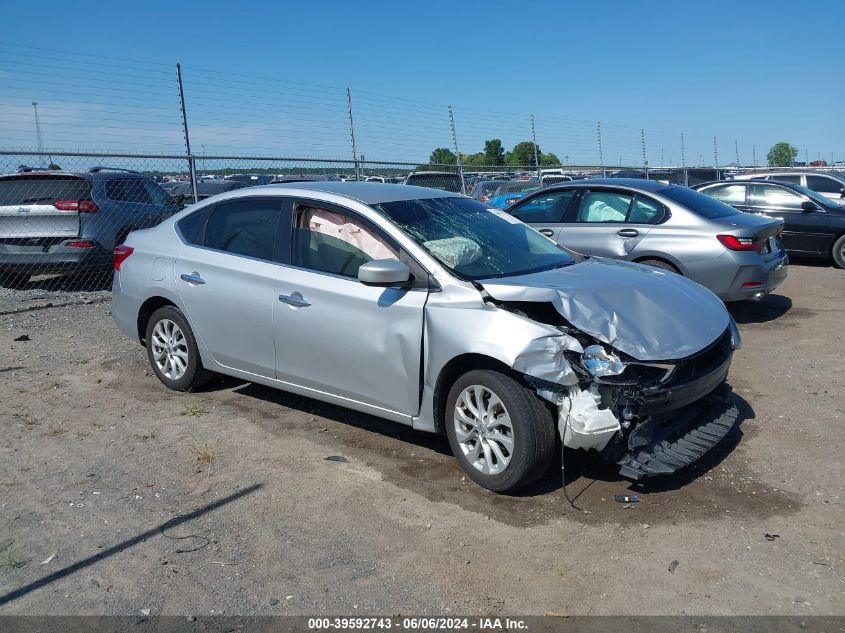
(649,417)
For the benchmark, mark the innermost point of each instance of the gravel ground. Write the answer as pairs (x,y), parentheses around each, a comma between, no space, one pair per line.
(120,496)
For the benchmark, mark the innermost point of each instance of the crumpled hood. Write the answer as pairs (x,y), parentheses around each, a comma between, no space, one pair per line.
(642,311)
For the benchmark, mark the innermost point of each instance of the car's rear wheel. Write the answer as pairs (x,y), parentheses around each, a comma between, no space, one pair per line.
(659,263)
(838,252)
(501,433)
(172,351)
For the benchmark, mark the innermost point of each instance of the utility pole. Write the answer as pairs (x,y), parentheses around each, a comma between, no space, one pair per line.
(38,137)
(534,140)
(458,153)
(642,140)
(352,132)
(601,156)
(683,152)
(736,149)
(192,168)
(806,158)
(715,154)
(754,155)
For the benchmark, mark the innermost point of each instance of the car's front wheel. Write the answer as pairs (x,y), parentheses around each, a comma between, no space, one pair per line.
(172,350)
(501,433)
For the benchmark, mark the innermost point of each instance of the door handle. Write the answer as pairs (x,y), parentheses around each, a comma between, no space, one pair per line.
(193,279)
(547,232)
(628,232)
(295,299)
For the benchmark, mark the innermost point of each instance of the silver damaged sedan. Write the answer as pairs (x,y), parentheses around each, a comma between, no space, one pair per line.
(430,309)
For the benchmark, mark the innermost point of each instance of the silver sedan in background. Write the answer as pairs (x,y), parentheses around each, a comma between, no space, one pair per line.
(736,255)
(426,308)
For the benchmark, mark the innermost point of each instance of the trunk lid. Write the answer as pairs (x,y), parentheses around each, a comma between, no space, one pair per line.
(28,211)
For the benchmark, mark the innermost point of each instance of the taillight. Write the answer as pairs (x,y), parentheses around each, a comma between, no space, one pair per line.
(120,254)
(734,243)
(82,206)
(484,198)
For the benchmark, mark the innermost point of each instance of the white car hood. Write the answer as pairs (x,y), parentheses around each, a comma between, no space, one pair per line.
(648,313)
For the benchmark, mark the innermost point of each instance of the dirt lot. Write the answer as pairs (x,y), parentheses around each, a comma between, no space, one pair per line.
(121,496)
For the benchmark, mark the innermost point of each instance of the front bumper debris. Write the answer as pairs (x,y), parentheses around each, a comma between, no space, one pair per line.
(662,447)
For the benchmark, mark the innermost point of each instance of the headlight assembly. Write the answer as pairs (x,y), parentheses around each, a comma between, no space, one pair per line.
(736,339)
(599,362)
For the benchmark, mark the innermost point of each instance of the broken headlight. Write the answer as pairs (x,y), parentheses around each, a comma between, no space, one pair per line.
(599,362)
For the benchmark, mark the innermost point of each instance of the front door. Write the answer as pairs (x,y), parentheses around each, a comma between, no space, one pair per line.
(336,335)
(803,231)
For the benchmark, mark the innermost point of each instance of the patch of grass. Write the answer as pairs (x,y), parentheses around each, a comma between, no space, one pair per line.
(55,430)
(203,451)
(55,385)
(192,410)
(146,435)
(26,418)
(7,558)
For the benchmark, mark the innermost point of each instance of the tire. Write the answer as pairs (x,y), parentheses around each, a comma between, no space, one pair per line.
(531,433)
(838,252)
(659,263)
(183,371)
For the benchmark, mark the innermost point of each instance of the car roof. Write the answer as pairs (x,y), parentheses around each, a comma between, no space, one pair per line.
(433,173)
(634,183)
(366,192)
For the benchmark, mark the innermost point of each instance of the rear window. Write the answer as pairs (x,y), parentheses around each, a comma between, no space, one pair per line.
(137,190)
(698,202)
(35,190)
(445,182)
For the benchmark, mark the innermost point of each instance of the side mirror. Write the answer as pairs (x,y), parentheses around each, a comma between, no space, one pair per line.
(384,272)
(809,206)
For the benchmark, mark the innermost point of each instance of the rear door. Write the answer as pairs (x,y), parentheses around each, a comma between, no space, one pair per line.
(135,203)
(35,210)
(803,231)
(545,211)
(227,281)
(609,222)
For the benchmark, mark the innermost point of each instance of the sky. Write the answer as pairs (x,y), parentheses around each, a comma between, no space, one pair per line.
(271,78)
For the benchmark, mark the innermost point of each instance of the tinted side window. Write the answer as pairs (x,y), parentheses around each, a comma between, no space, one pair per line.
(795,180)
(646,211)
(824,185)
(548,207)
(244,227)
(192,226)
(729,194)
(604,206)
(337,243)
(128,190)
(778,197)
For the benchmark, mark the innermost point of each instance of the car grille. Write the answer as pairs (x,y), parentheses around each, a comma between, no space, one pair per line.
(705,361)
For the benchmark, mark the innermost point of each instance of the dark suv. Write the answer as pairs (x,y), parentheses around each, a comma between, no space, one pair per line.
(54,221)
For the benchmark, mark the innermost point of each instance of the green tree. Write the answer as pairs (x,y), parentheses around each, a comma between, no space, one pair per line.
(522,154)
(781,155)
(443,156)
(549,160)
(494,153)
(477,159)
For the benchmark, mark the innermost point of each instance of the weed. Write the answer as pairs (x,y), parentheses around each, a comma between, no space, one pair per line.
(55,430)
(7,558)
(192,410)
(204,452)
(146,435)
(26,418)
(55,385)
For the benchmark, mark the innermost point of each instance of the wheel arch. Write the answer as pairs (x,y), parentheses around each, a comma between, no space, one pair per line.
(456,367)
(662,258)
(146,311)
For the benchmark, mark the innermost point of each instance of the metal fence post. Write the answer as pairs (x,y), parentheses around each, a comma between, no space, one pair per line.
(534,140)
(601,154)
(753,155)
(352,131)
(736,150)
(191,164)
(716,158)
(457,152)
(645,160)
